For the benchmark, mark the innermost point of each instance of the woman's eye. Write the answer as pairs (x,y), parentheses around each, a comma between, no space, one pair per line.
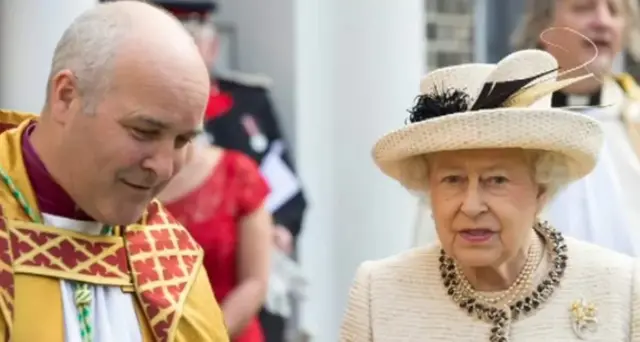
(498,180)
(452,179)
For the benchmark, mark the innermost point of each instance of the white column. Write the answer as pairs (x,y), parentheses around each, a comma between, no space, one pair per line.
(358,68)
(29,31)
(344,73)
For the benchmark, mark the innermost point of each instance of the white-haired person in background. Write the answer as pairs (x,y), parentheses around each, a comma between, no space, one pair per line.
(486,147)
(604,207)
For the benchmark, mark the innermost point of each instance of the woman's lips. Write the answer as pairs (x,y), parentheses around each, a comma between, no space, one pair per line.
(477,235)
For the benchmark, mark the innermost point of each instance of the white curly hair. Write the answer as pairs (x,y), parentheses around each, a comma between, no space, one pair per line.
(550,171)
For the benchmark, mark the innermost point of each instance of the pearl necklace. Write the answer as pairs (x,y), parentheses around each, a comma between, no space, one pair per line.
(501,317)
(519,287)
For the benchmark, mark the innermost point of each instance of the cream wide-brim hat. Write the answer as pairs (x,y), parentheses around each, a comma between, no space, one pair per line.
(526,121)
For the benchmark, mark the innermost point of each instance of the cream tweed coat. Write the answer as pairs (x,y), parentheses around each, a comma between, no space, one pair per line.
(402,299)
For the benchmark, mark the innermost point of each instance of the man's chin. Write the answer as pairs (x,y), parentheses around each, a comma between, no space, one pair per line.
(119,216)
(601,65)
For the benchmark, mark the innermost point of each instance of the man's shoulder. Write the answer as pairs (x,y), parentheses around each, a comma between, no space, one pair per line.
(244,86)
(12,119)
(158,224)
(167,262)
(628,85)
(240,79)
(10,209)
(200,317)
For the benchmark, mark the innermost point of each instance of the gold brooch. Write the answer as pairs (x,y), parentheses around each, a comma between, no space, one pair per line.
(583,318)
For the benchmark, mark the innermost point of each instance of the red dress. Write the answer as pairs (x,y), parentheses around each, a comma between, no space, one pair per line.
(212,212)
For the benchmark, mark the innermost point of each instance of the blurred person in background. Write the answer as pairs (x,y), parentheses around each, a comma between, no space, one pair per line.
(485,147)
(610,196)
(88,254)
(219,197)
(241,117)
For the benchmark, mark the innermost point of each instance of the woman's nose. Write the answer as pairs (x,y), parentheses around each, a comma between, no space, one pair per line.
(473,204)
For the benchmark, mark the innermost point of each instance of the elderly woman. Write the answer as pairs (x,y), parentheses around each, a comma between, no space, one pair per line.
(485,144)
(604,207)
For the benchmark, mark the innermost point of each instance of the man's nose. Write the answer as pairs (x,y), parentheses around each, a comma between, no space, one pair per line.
(163,162)
(603,17)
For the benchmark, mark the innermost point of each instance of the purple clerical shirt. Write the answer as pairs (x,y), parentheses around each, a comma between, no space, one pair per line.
(51,198)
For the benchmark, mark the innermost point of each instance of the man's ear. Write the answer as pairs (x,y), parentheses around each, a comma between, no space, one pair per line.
(64,96)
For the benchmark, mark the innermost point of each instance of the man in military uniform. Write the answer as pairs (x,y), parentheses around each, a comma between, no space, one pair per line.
(241,116)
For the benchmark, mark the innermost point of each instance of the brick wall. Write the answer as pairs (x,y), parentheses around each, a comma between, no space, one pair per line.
(449,32)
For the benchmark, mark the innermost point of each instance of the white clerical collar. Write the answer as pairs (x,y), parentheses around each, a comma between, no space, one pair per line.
(578,100)
(84,227)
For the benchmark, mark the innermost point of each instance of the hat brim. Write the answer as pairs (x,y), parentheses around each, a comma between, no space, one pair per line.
(575,136)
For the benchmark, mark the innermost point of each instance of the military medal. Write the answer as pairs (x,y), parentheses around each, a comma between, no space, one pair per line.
(257,140)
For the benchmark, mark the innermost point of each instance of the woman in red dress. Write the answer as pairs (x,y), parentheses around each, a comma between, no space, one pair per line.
(218,196)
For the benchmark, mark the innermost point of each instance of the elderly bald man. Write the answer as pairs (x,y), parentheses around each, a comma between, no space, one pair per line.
(86,253)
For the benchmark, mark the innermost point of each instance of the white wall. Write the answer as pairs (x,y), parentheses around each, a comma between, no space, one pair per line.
(29,31)
(315,143)
(344,73)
